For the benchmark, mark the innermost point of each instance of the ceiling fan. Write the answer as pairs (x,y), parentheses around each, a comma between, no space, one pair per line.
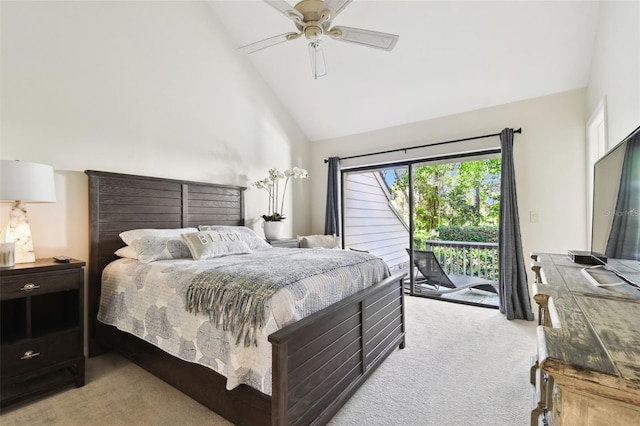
(313,19)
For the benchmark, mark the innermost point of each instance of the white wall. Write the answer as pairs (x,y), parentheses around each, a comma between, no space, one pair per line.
(151,88)
(615,68)
(549,161)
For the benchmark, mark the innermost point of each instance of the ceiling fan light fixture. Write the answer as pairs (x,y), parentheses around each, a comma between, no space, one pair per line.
(313,32)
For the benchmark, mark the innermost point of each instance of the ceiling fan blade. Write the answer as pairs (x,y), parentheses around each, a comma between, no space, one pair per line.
(271,41)
(318,64)
(367,38)
(286,9)
(335,7)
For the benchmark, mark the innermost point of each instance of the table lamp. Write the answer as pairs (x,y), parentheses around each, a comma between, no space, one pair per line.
(23,182)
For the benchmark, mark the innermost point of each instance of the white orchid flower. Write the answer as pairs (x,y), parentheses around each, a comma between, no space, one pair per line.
(299,173)
(271,185)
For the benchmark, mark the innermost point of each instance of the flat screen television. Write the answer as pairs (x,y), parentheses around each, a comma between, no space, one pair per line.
(615,230)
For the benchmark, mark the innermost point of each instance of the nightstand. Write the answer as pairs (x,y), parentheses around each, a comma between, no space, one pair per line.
(285,243)
(42,328)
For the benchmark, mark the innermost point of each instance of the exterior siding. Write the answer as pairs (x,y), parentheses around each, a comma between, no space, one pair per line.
(370,223)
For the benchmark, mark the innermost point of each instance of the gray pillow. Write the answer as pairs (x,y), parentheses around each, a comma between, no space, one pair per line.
(210,244)
(247,234)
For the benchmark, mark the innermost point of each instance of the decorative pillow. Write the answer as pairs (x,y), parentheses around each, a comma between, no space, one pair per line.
(157,244)
(319,241)
(247,234)
(210,244)
(126,251)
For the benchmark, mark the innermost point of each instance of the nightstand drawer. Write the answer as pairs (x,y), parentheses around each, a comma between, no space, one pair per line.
(32,355)
(39,283)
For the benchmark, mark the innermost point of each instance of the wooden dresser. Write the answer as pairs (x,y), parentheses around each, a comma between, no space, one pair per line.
(588,366)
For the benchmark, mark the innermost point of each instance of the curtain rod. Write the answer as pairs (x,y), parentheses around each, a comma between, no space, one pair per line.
(422,146)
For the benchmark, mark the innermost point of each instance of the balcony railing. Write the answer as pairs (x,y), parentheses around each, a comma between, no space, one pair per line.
(465,258)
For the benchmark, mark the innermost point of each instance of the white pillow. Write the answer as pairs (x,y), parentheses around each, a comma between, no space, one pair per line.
(126,251)
(247,234)
(157,244)
(210,244)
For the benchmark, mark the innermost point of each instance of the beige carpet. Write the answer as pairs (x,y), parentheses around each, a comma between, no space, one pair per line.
(463,365)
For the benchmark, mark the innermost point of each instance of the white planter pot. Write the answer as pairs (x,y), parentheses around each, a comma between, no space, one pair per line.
(273,230)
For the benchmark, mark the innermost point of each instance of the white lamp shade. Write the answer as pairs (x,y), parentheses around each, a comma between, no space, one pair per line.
(26,182)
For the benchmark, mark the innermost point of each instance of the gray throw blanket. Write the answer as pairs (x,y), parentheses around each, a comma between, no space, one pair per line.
(236,294)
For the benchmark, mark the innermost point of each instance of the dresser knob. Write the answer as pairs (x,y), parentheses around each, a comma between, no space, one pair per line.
(29,287)
(29,355)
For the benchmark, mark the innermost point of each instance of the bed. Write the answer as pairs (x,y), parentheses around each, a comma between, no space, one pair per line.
(371,319)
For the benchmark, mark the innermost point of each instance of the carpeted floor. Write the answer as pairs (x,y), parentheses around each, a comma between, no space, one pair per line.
(463,365)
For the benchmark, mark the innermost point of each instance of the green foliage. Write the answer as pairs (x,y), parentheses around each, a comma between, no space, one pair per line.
(479,234)
(465,194)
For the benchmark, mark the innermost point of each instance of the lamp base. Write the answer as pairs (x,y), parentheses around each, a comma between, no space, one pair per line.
(19,232)
(7,255)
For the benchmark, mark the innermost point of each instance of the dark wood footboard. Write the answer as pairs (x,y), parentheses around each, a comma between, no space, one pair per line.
(321,360)
(318,362)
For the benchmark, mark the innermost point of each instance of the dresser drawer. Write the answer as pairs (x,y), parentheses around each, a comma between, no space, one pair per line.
(39,283)
(34,354)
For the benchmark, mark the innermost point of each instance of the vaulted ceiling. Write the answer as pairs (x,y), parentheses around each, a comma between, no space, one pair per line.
(452,57)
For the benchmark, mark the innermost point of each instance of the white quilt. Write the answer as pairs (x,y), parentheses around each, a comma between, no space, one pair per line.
(148,300)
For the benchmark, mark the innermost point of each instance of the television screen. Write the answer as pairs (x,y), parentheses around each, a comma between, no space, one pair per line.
(616,208)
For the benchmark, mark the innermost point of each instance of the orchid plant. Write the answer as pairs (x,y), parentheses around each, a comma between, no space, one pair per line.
(272,185)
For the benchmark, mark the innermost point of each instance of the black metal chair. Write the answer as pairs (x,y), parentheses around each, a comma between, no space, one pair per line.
(437,282)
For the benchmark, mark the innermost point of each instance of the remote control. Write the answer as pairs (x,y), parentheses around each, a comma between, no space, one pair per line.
(62,259)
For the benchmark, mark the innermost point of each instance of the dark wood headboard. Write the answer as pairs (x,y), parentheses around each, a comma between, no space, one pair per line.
(119,202)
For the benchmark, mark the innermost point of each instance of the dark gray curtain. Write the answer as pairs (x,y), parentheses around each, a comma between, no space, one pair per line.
(332,214)
(623,240)
(513,286)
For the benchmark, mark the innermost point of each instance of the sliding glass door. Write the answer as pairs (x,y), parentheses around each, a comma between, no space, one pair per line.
(447,207)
